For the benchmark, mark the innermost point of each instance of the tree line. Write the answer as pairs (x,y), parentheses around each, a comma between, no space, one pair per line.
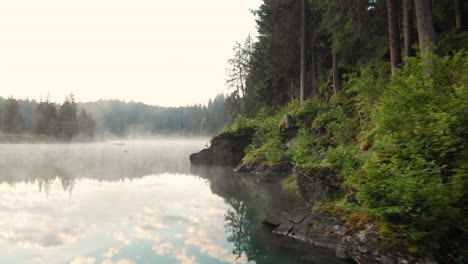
(132,118)
(306,48)
(45,118)
(71,119)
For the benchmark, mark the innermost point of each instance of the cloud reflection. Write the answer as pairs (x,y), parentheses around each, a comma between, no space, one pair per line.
(165,210)
(83,261)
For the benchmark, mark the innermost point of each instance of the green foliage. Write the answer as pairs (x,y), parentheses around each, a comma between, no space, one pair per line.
(267,143)
(367,85)
(349,160)
(304,116)
(415,174)
(240,122)
(334,123)
(322,126)
(413,181)
(398,142)
(308,148)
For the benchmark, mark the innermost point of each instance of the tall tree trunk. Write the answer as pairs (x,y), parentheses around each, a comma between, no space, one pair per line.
(313,69)
(408,24)
(393,12)
(426,31)
(336,85)
(458,18)
(302,52)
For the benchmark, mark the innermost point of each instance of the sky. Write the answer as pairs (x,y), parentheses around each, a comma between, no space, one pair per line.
(160,52)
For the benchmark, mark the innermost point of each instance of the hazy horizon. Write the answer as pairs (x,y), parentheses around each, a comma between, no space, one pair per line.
(155,52)
(126,101)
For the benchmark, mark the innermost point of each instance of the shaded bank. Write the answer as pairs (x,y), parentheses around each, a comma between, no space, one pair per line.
(313,226)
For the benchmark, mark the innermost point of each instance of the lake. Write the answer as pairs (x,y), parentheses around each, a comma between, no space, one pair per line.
(136,202)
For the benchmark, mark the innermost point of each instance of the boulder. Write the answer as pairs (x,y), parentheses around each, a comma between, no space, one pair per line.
(227,149)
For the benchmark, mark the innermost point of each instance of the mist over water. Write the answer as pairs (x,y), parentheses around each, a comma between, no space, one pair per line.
(114,160)
(134,202)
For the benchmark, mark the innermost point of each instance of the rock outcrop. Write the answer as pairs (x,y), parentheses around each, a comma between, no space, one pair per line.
(304,224)
(274,173)
(320,184)
(319,229)
(227,149)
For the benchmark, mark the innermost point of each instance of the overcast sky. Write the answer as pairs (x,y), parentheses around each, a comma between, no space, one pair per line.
(162,52)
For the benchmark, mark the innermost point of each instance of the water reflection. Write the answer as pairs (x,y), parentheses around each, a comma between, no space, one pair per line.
(249,203)
(145,205)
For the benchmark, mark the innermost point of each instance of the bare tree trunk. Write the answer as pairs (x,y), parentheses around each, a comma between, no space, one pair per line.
(458,18)
(336,85)
(302,52)
(426,31)
(408,24)
(393,12)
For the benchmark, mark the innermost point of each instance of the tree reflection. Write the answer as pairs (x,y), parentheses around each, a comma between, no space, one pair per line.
(248,237)
(238,228)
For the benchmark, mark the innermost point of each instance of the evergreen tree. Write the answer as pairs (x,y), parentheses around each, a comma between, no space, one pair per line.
(239,67)
(86,123)
(46,119)
(67,118)
(13,121)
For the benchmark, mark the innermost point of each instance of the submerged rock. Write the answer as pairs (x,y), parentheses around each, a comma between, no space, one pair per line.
(227,149)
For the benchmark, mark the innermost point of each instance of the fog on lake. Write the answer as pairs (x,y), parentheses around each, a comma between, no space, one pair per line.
(135,202)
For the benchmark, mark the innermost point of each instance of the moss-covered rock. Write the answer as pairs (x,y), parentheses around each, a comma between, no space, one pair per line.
(226,149)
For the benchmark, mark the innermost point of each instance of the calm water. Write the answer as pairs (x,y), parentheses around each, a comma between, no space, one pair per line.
(135,202)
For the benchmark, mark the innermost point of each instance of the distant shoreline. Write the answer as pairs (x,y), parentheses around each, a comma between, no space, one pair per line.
(38,139)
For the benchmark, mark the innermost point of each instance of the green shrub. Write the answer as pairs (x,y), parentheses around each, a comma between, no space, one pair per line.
(304,116)
(349,160)
(241,122)
(420,135)
(308,148)
(267,145)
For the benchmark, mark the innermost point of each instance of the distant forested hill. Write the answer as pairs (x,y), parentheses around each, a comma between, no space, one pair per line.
(120,118)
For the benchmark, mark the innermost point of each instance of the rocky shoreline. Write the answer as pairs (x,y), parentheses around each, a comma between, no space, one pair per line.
(311,226)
